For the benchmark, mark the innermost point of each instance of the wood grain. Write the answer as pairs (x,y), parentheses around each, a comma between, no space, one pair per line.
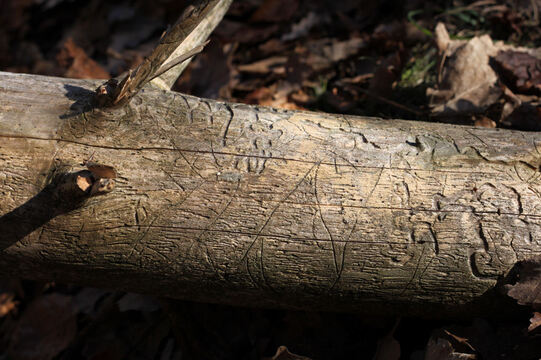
(257,206)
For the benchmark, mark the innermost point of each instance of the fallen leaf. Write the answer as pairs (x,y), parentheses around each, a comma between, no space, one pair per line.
(387,73)
(260,95)
(526,117)
(441,349)
(282,353)
(271,46)
(459,339)
(85,301)
(527,289)
(520,71)
(138,302)
(535,321)
(319,55)
(334,50)
(300,97)
(211,74)
(467,83)
(232,31)
(273,64)
(7,304)
(276,95)
(484,121)
(275,11)
(77,64)
(389,35)
(388,348)
(45,329)
(303,27)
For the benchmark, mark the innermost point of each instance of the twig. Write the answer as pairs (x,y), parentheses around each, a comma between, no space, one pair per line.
(114,94)
(179,60)
(197,37)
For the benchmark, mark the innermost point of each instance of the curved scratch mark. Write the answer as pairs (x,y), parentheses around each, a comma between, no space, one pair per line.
(209,227)
(140,239)
(187,161)
(228,123)
(375,185)
(262,269)
(342,265)
(174,180)
(415,272)
(245,256)
(333,245)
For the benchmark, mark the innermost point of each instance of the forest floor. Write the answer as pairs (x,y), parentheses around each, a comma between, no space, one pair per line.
(386,58)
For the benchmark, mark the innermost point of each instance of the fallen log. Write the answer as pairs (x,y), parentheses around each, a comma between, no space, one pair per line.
(247,205)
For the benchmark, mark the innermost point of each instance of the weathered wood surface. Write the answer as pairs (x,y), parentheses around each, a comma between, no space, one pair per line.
(256,206)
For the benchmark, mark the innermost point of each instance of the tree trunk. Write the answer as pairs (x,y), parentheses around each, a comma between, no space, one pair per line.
(245,205)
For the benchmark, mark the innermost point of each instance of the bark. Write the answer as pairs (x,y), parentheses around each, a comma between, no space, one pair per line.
(256,206)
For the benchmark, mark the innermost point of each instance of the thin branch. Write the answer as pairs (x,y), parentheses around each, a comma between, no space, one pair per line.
(196,38)
(179,60)
(118,94)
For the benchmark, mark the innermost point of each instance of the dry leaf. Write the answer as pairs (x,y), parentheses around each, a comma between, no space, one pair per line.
(138,302)
(387,73)
(78,65)
(233,31)
(7,304)
(275,11)
(273,64)
(484,121)
(460,340)
(527,289)
(468,84)
(520,71)
(283,354)
(441,349)
(388,348)
(45,329)
(303,27)
(211,74)
(526,116)
(535,321)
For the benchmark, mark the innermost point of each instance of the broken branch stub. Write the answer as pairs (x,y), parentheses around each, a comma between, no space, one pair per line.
(75,187)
